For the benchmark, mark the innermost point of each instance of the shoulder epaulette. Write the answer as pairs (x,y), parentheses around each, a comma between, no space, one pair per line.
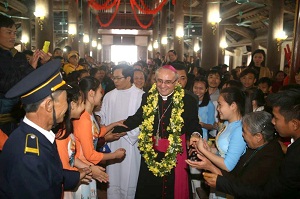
(32,144)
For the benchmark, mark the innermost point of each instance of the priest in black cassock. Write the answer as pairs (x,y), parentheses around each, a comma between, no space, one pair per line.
(152,183)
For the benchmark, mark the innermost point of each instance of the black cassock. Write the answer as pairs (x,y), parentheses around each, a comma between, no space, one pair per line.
(150,186)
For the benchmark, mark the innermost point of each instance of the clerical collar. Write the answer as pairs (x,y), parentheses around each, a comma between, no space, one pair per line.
(166,96)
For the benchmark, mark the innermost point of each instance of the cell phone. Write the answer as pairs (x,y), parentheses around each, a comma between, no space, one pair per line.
(119,129)
(46,46)
(193,155)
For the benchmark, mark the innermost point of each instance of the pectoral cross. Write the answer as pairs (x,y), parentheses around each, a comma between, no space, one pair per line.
(157,138)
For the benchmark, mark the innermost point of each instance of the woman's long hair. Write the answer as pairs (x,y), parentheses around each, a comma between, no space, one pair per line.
(206,96)
(263,63)
(73,95)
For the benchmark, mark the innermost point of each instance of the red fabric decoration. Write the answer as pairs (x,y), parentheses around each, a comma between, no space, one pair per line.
(105,6)
(174,2)
(111,19)
(145,9)
(137,18)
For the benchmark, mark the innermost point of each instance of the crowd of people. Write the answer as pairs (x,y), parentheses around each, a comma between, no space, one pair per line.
(157,129)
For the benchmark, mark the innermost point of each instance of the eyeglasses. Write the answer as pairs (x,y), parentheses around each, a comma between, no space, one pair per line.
(117,78)
(167,82)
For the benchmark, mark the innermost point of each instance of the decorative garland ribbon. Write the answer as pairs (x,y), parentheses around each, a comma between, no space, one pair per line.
(112,18)
(137,18)
(105,6)
(145,143)
(145,9)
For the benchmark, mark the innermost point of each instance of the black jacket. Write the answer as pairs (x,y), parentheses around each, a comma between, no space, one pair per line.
(37,174)
(286,184)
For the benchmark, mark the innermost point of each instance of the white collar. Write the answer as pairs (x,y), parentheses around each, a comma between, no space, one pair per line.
(166,97)
(48,134)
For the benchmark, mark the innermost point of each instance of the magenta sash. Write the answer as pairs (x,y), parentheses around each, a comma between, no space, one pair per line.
(181,185)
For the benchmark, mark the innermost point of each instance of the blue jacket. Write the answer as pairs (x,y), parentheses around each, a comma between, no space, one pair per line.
(35,174)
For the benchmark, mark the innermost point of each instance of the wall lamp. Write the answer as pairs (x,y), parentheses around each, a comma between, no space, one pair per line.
(214,24)
(164,40)
(280,37)
(155,44)
(179,34)
(99,46)
(214,19)
(150,48)
(223,46)
(40,15)
(86,39)
(25,39)
(94,43)
(72,31)
(196,45)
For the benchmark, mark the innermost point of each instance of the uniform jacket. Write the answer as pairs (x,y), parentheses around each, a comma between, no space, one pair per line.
(31,174)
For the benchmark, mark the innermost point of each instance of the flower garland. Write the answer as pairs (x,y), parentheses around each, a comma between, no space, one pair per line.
(146,132)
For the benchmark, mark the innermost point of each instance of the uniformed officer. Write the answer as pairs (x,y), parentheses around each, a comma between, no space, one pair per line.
(30,166)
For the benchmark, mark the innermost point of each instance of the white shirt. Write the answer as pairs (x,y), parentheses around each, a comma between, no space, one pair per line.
(48,134)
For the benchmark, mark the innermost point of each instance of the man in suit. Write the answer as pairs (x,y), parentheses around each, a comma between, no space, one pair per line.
(286,111)
(30,166)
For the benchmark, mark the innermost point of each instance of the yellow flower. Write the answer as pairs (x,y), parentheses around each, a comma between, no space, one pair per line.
(145,143)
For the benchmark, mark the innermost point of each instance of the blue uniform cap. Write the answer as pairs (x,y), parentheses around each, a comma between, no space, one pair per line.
(39,84)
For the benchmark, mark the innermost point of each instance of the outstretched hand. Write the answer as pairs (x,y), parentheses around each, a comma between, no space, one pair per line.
(120,153)
(85,175)
(110,137)
(99,173)
(203,163)
(211,179)
(202,146)
(120,123)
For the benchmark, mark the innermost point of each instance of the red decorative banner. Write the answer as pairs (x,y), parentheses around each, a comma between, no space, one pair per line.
(174,2)
(107,5)
(145,9)
(137,19)
(112,18)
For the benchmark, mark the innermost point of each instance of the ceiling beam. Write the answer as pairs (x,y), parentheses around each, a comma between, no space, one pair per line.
(234,11)
(17,5)
(245,32)
(196,11)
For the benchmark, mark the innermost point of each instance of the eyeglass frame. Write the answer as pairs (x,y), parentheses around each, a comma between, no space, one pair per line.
(118,78)
(166,82)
